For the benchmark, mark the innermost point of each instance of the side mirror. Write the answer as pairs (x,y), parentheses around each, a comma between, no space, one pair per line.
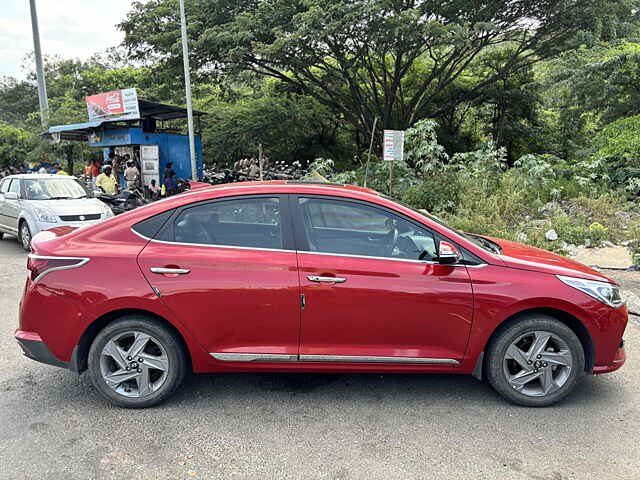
(448,254)
(11,196)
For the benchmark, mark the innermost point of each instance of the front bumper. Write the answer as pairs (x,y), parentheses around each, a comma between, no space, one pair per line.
(41,226)
(34,348)
(618,361)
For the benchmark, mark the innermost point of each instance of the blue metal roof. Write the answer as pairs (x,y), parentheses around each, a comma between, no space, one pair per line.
(75,126)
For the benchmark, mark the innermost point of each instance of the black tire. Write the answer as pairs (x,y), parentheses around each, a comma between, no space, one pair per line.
(521,326)
(1,235)
(175,352)
(24,235)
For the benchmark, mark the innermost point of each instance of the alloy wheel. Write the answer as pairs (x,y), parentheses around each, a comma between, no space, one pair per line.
(537,363)
(134,364)
(25,236)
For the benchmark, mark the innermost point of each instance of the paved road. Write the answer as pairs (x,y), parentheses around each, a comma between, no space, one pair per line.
(54,425)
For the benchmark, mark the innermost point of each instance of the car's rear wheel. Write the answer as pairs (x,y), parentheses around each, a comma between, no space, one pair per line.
(535,361)
(136,362)
(24,236)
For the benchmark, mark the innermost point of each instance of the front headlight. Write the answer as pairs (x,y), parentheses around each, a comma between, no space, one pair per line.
(45,215)
(108,213)
(606,292)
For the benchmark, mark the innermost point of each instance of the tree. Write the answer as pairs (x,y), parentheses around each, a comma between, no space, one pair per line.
(18,98)
(364,58)
(14,146)
(288,125)
(602,80)
(618,147)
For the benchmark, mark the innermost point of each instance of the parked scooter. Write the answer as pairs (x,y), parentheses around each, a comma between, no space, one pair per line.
(124,201)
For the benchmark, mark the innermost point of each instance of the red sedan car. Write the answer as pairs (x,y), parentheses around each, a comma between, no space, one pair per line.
(281,276)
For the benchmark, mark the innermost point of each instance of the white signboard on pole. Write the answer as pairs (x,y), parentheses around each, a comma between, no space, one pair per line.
(393,145)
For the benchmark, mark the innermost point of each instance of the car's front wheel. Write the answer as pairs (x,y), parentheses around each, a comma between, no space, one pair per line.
(136,362)
(535,361)
(24,235)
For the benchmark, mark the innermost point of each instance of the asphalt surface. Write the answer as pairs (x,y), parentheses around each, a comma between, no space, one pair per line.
(54,425)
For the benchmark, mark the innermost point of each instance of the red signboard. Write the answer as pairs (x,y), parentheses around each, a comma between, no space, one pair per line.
(104,104)
(119,104)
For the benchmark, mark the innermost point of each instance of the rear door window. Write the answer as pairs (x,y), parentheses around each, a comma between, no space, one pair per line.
(245,222)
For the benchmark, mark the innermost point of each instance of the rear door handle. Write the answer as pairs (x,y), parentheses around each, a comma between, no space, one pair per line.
(315,278)
(170,271)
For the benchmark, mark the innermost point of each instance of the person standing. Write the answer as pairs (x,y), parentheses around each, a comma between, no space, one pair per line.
(170,179)
(95,171)
(107,181)
(87,169)
(131,175)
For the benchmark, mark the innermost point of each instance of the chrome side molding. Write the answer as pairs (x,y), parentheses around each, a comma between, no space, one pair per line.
(254,357)
(277,357)
(370,359)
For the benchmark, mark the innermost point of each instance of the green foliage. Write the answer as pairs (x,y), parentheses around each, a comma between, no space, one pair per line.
(289,126)
(14,145)
(423,150)
(617,149)
(365,58)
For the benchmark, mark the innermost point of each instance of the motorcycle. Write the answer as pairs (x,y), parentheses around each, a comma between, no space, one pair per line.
(124,201)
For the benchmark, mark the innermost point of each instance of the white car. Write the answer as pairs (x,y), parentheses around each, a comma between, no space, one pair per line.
(30,203)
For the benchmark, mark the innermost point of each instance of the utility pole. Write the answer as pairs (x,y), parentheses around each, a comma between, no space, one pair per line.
(187,84)
(42,88)
(373,135)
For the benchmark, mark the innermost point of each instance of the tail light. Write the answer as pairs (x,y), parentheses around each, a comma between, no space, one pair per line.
(40,265)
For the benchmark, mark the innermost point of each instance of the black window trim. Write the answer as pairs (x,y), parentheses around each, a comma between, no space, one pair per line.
(468,258)
(19,192)
(288,244)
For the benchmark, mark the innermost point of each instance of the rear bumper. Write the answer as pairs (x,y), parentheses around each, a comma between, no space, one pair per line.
(34,348)
(617,362)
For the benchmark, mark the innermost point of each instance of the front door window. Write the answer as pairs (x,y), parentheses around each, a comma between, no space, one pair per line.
(350,228)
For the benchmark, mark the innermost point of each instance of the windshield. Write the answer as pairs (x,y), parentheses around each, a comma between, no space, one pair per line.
(52,189)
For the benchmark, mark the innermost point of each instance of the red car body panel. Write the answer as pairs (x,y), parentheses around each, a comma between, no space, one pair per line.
(248,300)
(376,312)
(517,255)
(236,301)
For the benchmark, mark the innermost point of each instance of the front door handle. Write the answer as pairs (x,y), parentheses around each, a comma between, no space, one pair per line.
(315,278)
(170,271)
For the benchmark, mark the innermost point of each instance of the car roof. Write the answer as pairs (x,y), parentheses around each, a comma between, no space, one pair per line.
(38,176)
(298,184)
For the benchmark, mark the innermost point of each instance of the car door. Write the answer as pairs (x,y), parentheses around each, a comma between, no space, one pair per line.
(228,271)
(4,186)
(11,207)
(368,296)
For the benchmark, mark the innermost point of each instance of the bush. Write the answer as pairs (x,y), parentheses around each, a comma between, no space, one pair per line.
(476,193)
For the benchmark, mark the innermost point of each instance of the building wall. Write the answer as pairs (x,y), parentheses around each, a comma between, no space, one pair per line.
(173,147)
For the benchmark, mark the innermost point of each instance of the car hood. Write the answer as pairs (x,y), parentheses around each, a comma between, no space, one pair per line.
(525,257)
(80,206)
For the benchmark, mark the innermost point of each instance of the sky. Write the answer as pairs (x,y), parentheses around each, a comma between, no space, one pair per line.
(69,28)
